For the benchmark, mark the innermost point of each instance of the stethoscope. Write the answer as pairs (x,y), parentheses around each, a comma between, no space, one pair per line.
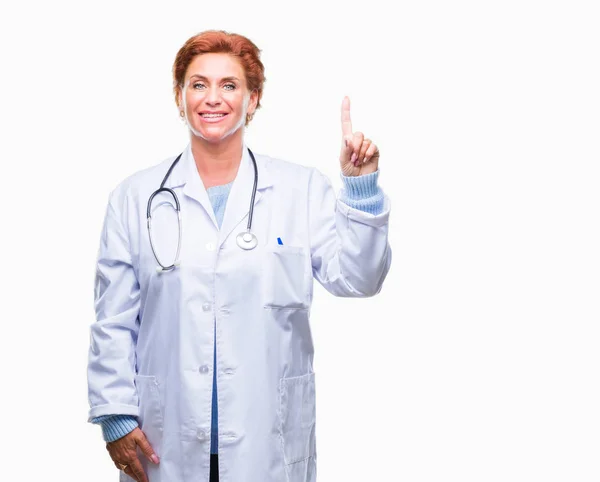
(245,239)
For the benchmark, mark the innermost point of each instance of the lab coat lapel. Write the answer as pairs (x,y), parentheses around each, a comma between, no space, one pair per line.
(186,174)
(238,202)
(237,208)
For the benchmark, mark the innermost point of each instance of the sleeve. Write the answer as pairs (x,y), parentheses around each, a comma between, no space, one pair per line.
(362,192)
(111,360)
(116,426)
(350,253)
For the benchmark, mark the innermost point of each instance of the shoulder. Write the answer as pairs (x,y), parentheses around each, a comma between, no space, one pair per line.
(282,170)
(277,165)
(136,184)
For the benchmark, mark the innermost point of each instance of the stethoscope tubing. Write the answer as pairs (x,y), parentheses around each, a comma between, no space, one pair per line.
(245,240)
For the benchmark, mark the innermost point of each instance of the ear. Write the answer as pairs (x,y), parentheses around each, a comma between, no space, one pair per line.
(179,98)
(252,102)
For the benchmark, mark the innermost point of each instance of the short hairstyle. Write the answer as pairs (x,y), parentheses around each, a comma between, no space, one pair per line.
(219,41)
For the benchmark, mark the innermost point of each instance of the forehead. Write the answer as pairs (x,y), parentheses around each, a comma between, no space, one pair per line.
(215,66)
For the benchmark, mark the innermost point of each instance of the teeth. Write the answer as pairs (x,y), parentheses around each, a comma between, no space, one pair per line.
(212,115)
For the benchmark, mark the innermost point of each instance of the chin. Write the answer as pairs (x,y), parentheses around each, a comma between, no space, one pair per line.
(214,136)
(212,139)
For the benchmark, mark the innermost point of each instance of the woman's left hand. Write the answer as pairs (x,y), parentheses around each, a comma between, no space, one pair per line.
(359,156)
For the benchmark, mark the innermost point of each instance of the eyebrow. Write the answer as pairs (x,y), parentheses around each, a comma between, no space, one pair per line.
(201,77)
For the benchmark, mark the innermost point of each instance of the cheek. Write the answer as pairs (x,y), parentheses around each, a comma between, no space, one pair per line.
(236,99)
(193,98)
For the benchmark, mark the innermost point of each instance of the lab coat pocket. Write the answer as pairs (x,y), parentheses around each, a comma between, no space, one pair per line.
(284,277)
(150,418)
(297,418)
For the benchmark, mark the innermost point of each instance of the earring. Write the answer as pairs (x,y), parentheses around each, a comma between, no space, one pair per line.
(181,115)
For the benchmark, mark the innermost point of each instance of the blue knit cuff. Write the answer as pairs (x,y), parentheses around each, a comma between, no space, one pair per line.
(362,193)
(116,426)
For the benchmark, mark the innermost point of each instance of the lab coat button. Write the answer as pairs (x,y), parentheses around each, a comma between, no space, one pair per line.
(203,369)
(201,435)
(210,246)
(206,306)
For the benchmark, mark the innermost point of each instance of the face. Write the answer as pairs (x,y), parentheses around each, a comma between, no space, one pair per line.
(215,97)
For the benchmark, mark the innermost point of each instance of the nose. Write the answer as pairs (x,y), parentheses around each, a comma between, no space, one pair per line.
(213,96)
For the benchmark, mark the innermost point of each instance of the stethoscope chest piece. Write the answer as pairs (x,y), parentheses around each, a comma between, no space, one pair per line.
(247,240)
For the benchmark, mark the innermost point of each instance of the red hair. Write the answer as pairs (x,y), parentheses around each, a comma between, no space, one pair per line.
(219,41)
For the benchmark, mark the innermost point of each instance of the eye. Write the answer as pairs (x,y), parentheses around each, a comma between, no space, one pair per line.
(229,86)
(197,85)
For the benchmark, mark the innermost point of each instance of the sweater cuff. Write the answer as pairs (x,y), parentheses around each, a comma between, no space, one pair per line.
(116,426)
(362,192)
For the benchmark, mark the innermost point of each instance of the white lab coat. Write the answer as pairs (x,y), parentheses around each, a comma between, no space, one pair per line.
(151,349)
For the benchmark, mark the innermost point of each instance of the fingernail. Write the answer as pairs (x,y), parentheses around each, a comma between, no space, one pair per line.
(154,458)
(353,158)
(346,142)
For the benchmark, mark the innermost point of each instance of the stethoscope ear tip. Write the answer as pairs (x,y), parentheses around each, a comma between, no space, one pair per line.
(159,269)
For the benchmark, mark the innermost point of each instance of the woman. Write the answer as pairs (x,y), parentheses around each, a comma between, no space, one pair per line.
(206,366)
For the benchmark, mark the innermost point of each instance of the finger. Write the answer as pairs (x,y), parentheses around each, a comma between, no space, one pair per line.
(123,461)
(357,140)
(137,470)
(129,471)
(347,147)
(372,151)
(346,122)
(363,150)
(146,448)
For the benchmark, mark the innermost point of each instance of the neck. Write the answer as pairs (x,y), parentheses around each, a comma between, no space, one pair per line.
(217,163)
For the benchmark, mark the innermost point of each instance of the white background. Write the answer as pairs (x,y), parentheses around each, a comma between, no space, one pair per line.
(479,359)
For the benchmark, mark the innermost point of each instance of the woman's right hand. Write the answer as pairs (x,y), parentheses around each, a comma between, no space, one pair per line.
(123,451)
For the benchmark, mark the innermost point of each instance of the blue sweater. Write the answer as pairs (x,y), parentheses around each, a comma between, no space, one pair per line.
(359,192)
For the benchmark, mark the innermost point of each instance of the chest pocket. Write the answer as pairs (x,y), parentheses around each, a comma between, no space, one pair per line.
(285,277)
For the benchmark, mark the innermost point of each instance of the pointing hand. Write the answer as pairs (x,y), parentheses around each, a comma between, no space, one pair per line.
(358,156)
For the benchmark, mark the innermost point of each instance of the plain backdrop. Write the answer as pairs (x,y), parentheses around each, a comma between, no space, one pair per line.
(478,361)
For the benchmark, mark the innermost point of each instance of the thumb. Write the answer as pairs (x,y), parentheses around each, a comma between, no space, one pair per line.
(146,448)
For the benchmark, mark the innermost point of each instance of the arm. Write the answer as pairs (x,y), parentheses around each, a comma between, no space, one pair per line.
(111,363)
(350,253)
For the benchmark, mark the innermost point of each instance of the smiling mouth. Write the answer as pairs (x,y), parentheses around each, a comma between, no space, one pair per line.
(212,116)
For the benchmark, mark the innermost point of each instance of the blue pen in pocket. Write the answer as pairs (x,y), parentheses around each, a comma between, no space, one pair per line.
(279,241)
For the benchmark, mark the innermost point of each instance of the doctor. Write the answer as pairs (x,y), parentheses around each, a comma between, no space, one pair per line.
(201,358)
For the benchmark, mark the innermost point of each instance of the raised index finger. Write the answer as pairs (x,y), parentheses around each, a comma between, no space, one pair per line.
(346,122)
